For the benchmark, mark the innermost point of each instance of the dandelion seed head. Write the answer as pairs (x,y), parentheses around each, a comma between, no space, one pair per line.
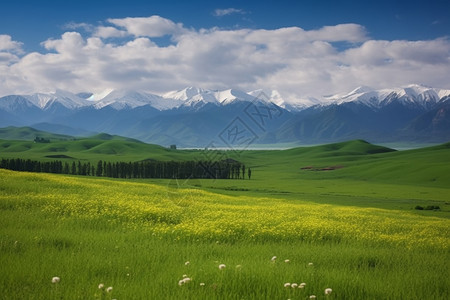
(56,279)
(328,291)
(222,266)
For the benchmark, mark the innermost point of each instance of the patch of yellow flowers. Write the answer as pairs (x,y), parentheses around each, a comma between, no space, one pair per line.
(198,214)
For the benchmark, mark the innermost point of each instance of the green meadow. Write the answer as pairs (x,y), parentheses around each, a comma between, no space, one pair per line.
(342,216)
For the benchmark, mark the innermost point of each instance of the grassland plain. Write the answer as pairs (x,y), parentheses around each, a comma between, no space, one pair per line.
(353,229)
(144,239)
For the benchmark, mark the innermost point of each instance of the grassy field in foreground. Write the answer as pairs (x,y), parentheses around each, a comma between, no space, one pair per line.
(142,238)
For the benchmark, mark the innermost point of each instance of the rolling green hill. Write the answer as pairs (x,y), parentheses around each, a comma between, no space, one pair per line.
(29,134)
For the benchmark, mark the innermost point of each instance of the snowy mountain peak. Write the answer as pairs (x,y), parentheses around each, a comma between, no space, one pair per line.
(184,94)
(228,96)
(120,99)
(64,98)
(101,95)
(361,90)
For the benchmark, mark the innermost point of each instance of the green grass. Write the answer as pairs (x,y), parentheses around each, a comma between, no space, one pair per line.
(137,237)
(356,224)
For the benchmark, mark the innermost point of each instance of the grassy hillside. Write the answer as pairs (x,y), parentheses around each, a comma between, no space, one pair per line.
(99,147)
(143,239)
(29,134)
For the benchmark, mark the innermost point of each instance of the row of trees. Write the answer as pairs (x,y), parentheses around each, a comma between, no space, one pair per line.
(225,169)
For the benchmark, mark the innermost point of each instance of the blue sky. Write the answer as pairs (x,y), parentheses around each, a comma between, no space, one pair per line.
(329,45)
(35,21)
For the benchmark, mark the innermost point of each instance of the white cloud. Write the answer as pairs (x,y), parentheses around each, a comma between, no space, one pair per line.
(7,44)
(109,32)
(153,26)
(297,62)
(227,11)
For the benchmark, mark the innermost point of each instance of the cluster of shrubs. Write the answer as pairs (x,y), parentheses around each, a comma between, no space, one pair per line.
(428,207)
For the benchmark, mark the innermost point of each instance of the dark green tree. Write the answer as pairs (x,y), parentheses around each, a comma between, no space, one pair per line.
(99,169)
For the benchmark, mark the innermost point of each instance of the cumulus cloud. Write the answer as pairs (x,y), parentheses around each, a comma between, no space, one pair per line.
(297,62)
(9,52)
(227,11)
(154,26)
(7,44)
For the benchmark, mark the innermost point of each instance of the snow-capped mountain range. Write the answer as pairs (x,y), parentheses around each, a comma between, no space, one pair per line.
(194,97)
(194,117)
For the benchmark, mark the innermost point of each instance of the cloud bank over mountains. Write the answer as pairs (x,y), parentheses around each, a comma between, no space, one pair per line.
(158,55)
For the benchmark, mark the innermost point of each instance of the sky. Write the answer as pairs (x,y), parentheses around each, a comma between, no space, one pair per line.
(300,48)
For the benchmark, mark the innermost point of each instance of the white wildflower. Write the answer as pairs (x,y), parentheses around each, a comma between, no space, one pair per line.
(328,291)
(312,297)
(101,286)
(302,285)
(287,284)
(222,266)
(56,279)
(109,289)
(184,275)
(202,284)
(310,264)
(187,263)
(184,280)
(287,261)
(274,258)
(294,285)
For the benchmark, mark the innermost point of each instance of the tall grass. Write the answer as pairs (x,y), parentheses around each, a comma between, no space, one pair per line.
(137,238)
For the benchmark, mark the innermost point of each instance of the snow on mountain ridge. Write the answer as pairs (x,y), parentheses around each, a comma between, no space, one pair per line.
(194,97)
(120,99)
(67,99)
(413,94)
(184,94)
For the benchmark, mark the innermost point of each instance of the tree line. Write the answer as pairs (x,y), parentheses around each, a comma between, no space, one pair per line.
(225,169)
